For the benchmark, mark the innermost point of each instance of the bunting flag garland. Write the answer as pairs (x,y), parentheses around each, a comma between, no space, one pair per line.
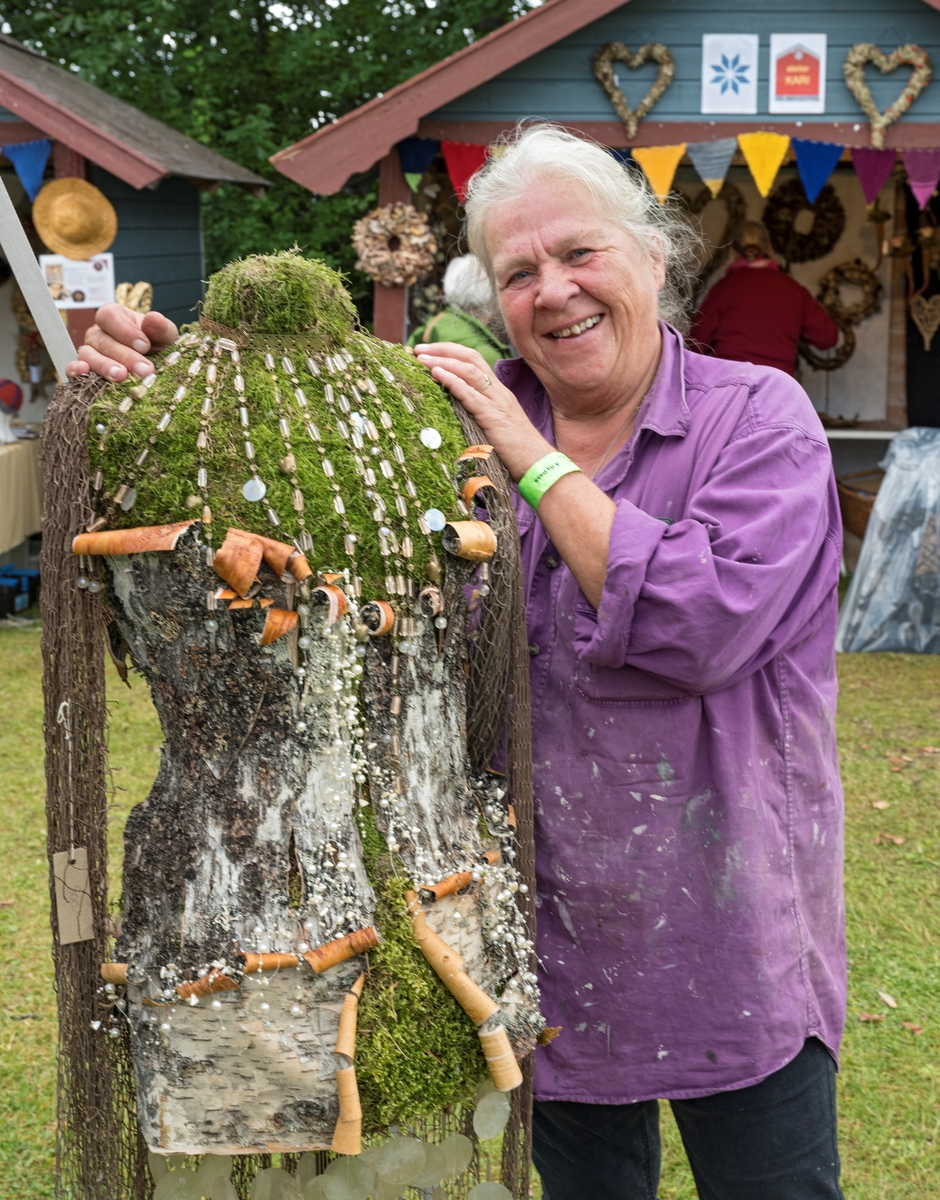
(815,162)
(415,155)
(659,165)
(622,156)
(712,160)
(463,160)
(764,153)
(923,171)
(29,161)
(872,168)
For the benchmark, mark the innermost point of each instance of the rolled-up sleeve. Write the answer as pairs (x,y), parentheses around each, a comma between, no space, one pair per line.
(711,597)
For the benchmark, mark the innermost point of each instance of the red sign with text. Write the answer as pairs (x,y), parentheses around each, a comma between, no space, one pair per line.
(798,75)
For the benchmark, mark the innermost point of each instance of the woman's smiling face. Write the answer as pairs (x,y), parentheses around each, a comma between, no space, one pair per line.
(578,294)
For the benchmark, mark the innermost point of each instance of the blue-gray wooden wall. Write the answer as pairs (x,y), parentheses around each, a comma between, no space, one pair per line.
(558,82)
(159,240)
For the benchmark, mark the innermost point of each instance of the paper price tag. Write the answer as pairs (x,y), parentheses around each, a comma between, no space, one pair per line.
(73,896)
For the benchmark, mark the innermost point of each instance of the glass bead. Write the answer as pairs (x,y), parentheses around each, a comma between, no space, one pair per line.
(130,499)
(163,422)
(301,397)
(287,365)
(269,361)
(210,373)
(273,517)
(312,367)
(343,429)
(142,457)
(125,404)
(385,419)
(211,626)
(328,393)
(387,374)
(254,490)
(179,393)
(343,403)
(401,505)
(440,622)
(284,428)
(202,478)
(249,450)
(407,403)
(399,455)
(328,469)
(485,589)
(371,432)
(81,582)
(313,432)
(172,359)
(435,520)
(243,416)
(202,441)
(99,429)
(304,643)
(431,438)
(338,505)
(239,383)
(94,586)
(386,468)
(357,439)
(207,406)
(195,366)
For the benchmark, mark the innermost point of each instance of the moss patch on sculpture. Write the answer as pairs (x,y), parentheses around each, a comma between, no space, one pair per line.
(306,318)
(417,1050)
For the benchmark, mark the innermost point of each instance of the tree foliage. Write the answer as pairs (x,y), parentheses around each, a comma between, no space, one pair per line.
(247,78)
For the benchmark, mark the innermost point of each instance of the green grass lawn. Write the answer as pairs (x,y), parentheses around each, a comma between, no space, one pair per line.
(890,1123)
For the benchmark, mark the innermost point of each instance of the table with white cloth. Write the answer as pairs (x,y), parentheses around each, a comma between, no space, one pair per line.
(20,492)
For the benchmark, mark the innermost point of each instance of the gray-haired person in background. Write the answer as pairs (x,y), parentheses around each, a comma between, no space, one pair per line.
(471,317)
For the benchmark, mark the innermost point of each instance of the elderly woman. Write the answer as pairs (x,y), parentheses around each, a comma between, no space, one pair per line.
(681,543)
(471,317)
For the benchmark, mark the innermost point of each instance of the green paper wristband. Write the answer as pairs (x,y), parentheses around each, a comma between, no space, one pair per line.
(542,475)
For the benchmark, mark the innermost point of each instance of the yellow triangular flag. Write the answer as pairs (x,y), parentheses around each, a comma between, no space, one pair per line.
(764,152)
(659,165)
(714,186)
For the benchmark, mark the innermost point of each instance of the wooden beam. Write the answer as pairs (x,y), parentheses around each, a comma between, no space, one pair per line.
(68,163)
(390,313)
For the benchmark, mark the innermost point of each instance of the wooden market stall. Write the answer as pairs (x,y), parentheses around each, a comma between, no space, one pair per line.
(137,182)
(645,79)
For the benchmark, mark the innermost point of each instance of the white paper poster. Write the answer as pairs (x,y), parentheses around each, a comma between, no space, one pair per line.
(797,73)
(729,72)
(79,282)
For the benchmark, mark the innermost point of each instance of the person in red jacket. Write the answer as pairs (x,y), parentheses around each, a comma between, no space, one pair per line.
(758,314)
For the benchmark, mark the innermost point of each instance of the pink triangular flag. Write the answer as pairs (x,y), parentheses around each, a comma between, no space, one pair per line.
(872,168)
(923,171)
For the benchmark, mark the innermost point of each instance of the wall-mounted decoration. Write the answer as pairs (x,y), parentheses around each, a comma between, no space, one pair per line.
(858,275)
(712,160)
(904,56)
(780,214)
(603,65)
(926,316)
(394,245)
(764,153)
(729,72)
(797,73)
(659,166)
(74,218)
(79,283)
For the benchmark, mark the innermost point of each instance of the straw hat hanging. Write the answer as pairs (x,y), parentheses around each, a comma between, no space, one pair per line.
(74,218)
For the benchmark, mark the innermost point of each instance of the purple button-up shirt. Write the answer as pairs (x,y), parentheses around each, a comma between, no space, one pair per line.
(687,796)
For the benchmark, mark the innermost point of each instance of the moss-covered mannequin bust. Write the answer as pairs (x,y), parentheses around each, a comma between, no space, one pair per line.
(296,547)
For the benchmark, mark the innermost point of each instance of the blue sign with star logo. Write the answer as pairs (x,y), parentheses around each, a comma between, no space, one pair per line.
(729,72)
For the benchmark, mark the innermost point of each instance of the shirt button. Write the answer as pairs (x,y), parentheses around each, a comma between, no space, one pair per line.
(533,648)
(551,563)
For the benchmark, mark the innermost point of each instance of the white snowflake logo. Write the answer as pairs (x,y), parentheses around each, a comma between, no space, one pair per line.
(730,74)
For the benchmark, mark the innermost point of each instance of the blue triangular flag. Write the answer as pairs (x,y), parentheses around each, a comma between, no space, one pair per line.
(415,155)
(815,161)
(29,161)
(622,156)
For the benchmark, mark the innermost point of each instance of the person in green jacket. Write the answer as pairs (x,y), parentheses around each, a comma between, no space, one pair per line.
(471,317)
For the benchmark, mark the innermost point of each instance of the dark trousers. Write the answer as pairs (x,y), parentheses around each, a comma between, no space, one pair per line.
(773,1141)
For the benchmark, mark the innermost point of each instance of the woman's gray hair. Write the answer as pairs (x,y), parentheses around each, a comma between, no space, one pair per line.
(537,151)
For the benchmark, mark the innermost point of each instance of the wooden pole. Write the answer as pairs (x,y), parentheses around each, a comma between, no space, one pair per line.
(390,319)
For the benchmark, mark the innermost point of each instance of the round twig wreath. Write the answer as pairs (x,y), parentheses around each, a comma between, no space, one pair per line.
(780,214)
(844,315)
(394,244)
(736,207)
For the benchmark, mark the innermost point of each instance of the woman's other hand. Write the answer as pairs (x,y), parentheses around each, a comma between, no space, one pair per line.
(464,372)
(116,343)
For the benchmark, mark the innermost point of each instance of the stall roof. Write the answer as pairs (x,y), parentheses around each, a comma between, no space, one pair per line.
(116,136)
(324,160)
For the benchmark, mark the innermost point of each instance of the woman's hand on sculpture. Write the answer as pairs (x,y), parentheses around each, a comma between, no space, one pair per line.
(115,344)
(464,372)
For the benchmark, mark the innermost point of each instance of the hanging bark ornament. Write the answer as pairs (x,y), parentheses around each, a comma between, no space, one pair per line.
(394,244)
(829,295)
(780,215)
(904,56)
(603,65)
(331,684)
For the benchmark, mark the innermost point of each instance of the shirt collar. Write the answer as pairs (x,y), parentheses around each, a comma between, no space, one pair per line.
(664,408)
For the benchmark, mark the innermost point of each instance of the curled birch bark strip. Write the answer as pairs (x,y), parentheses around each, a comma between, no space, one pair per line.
(237,560)
(504,1070)
(342,949)
(346,1037)
(347,1136)
(448,965)
(215,981)
(277,622)
(268,962)
(472,540)
(113,972)
(130,541)
(447,887)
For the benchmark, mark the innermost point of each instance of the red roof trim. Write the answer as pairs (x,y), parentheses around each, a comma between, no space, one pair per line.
(324,161)
(55,121)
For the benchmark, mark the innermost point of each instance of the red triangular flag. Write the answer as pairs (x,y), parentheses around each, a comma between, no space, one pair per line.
(872,168)
(923,172)
(463,160)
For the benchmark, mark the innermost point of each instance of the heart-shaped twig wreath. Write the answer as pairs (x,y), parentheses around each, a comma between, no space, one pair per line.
(904,56)
(613,52)
(926,316)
